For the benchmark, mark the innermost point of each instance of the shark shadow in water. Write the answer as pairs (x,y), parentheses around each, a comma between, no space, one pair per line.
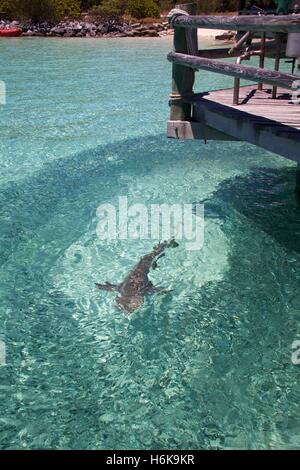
(137,284)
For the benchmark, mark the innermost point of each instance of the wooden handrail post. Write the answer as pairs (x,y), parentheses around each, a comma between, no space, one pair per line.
(182,77)
(279,39)
(262,56)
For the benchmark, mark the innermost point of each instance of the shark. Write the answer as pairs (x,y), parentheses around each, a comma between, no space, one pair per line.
(136,284)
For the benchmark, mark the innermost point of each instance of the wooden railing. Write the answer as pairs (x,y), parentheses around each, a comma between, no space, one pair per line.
(271,77)
(186,57)
(272,23)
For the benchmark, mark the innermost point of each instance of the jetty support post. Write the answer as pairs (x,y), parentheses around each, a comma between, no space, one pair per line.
(183,77)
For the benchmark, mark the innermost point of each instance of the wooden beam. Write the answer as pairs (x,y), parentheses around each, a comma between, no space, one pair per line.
(245,72)
(195,130)
(261,131)
(271,23)
(271,50)
(240,43)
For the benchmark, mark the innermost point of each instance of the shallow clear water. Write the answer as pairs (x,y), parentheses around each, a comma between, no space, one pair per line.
(206,366)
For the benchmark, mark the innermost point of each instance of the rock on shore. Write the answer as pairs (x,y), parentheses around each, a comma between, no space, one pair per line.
(90,29)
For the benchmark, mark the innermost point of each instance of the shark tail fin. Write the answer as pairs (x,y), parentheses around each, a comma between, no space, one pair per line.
(173,243)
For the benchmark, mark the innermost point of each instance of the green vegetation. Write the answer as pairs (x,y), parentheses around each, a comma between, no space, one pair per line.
(142,9)
(135,8)
(38,10)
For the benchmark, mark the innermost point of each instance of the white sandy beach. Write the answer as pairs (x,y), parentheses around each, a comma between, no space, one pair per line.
(207,36)
(210,33)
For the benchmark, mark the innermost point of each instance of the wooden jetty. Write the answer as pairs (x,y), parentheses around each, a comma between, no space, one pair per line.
(266,114)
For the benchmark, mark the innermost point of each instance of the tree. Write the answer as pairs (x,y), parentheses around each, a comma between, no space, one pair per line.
(39,10)
(87,4)
(110,8)
(142,9)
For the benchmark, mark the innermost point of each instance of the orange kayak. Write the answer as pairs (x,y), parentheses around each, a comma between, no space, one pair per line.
(10,33)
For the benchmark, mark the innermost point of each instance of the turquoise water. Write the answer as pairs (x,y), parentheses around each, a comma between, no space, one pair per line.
(207,366)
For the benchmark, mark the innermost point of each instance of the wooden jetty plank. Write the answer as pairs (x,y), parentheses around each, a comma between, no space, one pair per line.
(261,124)
(246,72)
(267,23)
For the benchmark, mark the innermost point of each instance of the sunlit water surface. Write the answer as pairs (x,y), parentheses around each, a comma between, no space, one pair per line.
(207,366)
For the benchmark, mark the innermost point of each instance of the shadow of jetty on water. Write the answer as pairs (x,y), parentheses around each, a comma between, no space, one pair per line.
(213,357)
(266,197)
